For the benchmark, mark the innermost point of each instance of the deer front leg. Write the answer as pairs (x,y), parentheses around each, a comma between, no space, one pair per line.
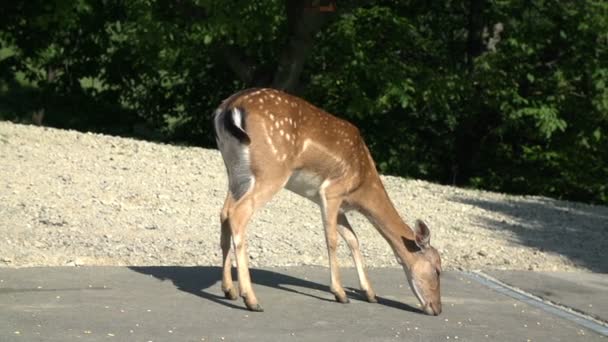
(225,237)
(348,234)
(329,209)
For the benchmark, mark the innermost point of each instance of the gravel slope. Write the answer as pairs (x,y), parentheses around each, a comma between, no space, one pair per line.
(68,198)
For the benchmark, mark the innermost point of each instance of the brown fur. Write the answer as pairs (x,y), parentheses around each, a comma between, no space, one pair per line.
(288,134)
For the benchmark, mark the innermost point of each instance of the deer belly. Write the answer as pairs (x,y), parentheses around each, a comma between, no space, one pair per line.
(304,183)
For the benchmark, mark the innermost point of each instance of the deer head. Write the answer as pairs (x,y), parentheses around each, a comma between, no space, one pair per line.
(424,270)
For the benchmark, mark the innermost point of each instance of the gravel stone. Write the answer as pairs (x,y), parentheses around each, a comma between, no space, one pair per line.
(69,198)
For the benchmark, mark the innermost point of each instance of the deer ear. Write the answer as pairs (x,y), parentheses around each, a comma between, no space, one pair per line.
(423,234)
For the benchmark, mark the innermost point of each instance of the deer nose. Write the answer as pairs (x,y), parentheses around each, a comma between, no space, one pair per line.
(433,309)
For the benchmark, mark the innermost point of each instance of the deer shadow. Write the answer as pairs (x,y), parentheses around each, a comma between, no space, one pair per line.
(198,280)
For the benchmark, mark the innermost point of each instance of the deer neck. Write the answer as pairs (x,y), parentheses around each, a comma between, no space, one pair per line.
(381,212)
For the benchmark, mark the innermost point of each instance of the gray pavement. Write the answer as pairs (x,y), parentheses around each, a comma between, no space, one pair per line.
(584,292)
(185,304)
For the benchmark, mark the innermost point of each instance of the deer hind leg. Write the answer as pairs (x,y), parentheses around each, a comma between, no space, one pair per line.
(225,239)
(348,234)
(239,213)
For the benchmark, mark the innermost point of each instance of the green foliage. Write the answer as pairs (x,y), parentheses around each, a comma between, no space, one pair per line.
(550,139)
(526,114)
(506,95)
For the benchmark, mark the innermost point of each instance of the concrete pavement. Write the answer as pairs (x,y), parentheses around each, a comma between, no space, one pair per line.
(186,304)
(583,292)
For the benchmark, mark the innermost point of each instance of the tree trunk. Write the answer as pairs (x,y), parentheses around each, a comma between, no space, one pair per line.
(303,23)
(471,130)
(304,19)
(475,30)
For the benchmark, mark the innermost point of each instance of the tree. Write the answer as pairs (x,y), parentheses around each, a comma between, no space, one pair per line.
(509,95)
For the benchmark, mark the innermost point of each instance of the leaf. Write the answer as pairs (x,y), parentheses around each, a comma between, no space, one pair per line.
(530,77)
(207,39)
(597,134)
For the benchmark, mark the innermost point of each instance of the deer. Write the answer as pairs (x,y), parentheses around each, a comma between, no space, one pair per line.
(270,140)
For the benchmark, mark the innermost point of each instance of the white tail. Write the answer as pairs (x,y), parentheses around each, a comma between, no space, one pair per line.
(271,140)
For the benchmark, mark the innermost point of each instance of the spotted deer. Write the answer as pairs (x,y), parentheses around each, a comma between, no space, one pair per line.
(271,140)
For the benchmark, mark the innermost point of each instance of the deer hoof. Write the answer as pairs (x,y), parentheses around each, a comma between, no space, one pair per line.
(372,298)
(342,299)
(254,307)
(230,294)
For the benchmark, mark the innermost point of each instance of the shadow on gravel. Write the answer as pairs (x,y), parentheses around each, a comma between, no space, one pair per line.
(204,282)
(576,231)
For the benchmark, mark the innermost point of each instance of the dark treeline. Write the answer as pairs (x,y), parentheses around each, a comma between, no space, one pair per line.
(507,95)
